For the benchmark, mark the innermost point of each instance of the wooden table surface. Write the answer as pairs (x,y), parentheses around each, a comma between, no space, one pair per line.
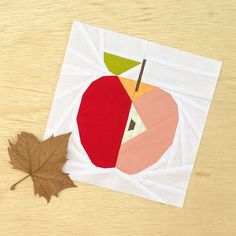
(33,38)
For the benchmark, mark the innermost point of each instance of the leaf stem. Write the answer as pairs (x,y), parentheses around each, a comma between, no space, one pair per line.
(14,185)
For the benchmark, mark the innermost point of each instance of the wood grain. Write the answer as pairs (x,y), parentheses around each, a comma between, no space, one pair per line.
(33,38)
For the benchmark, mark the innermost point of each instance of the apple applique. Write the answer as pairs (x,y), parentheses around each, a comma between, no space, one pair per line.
(124,123)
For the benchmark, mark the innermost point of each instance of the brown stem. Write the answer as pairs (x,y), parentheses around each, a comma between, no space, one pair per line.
(140,75)
(14,185)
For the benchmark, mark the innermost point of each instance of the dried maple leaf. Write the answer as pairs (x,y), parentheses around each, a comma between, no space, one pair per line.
(42,161)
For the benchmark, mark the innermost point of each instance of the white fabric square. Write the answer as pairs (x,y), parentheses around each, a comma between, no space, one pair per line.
(188,78)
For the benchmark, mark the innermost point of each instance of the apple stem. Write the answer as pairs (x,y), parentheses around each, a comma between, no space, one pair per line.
(140,75)
(14,185)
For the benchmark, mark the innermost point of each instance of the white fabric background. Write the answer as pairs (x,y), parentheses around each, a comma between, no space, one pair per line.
(189,78)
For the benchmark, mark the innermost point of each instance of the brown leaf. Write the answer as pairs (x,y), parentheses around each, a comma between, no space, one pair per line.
(42,161)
